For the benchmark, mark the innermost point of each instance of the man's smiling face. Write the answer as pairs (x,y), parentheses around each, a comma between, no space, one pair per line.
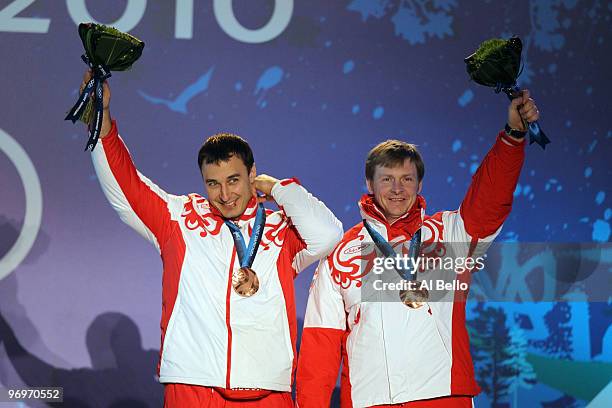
(395,189)
(229,186)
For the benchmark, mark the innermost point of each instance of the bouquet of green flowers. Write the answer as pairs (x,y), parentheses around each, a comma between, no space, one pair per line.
(497,64)
(106,49)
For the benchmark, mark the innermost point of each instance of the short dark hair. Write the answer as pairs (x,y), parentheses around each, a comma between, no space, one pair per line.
(391,153)
(222,146)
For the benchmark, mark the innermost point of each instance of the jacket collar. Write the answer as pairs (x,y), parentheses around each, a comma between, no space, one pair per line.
(249,213)
(409,223)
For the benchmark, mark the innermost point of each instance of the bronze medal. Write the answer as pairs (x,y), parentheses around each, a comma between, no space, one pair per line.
(244,279)
(414,297)
(245,282)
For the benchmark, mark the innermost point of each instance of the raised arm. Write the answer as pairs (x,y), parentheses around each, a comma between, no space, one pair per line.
(316,230)
(140,203)
(488,201)
(317,226)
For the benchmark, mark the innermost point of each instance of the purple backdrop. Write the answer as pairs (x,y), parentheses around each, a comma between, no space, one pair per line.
(337,78)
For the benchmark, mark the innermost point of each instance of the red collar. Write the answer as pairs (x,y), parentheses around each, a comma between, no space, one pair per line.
(247,215)
(409,222)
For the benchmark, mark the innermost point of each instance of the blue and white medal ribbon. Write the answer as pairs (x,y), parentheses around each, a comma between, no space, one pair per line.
(414,296)
(244,279)
(408,273)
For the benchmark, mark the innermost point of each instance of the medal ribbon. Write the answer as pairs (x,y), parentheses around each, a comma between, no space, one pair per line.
(247,255)
(387,250)
(100,74)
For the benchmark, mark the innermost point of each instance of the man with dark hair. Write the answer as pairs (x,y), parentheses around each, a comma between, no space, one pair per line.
(411,349)
(220,146)
(228,311)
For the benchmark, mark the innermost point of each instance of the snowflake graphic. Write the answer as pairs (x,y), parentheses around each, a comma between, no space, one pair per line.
(409,26)
(367,8)
(414,20)
(545,31)
(545,23)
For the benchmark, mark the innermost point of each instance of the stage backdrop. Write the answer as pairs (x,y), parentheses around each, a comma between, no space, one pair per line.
(312,85)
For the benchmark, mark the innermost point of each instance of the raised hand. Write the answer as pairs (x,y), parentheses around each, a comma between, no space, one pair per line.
(106,118)
(522,111)
(264,183)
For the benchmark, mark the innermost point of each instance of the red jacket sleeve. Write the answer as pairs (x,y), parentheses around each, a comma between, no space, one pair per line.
(321,347)
(139,202)
(488,200)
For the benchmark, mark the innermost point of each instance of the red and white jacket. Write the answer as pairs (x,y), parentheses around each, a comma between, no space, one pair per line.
(390,353)
(210,335)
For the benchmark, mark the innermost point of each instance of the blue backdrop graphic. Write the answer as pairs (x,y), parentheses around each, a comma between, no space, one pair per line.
(313,85)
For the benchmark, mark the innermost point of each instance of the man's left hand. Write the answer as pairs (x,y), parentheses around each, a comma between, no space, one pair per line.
(264,184)
(521,108)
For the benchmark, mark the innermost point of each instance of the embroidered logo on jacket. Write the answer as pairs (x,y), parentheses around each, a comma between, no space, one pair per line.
(433,237)
(355,249)
(273,231)
(201,219)
(346,262)
(354,259)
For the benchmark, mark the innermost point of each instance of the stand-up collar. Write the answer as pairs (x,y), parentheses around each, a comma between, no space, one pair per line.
(410,222)
(248,214)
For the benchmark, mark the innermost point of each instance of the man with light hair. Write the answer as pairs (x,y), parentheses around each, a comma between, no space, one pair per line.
(393,355)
